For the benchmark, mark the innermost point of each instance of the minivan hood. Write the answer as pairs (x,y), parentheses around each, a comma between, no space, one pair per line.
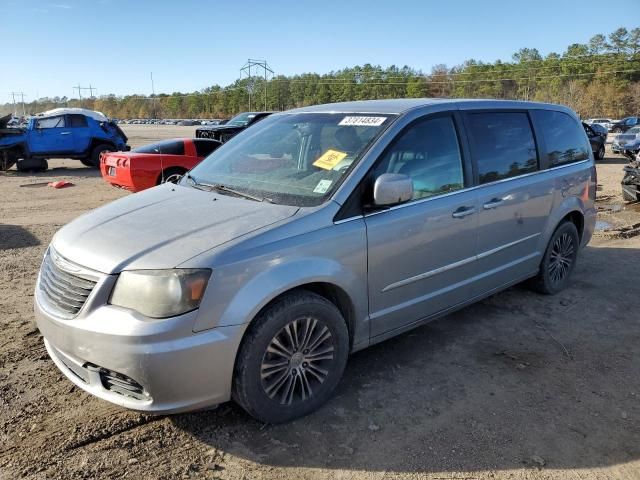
(161,227)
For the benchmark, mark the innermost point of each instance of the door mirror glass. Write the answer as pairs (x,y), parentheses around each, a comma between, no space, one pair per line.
(392,188)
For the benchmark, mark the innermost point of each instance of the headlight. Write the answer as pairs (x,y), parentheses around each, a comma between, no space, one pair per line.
(160,293)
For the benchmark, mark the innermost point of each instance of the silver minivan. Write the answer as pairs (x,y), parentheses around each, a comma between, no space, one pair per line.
(313,234)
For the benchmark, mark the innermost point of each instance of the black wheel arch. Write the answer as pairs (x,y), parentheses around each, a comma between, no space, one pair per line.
(99,141)
(331,292)
(577,218)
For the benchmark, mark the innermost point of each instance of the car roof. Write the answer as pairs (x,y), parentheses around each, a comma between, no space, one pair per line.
(99,116)
(402,105)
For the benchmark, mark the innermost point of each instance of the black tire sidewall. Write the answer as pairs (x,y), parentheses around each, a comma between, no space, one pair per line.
(248,390)
(549,286)
(170,172)
(95,154)
(601,152)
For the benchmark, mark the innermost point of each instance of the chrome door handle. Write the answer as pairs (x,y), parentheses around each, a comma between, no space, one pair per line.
(493,203)
(65,133)
(463,212)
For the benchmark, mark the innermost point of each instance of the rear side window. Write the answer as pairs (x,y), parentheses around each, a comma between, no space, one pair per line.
(205,147)
(503,145)
(563,136)
(77,121)
(168,147)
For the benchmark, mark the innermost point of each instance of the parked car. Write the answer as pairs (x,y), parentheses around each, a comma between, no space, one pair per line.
(314,234)
(605,122)
(631,150)
(631,181)
(630,136)
(597,135)
(151,165)
(625,124)
(225,131)
(74,133)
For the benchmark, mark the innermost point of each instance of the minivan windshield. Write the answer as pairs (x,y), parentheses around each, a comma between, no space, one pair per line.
(293,159)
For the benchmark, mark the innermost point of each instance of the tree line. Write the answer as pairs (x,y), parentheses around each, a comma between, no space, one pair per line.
(599,78)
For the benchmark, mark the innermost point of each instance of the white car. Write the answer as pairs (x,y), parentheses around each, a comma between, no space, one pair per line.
(605,122)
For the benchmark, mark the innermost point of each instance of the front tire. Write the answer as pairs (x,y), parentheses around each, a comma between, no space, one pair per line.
(558,261)
(291,359)
(600,153)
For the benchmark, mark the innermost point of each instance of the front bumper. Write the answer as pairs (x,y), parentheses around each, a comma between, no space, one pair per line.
(107,350)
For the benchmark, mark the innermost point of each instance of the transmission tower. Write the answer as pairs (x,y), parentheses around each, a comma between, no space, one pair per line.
(260,69)
(15,110)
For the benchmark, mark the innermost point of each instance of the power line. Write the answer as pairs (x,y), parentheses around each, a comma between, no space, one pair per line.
(340,82)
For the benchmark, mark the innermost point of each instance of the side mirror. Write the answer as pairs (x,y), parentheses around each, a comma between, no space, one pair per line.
(391,189)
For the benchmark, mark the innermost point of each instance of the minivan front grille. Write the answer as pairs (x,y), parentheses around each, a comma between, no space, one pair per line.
(64,291)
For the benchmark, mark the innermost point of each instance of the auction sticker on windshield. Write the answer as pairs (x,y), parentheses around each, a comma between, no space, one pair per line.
(329,159)
(362,121)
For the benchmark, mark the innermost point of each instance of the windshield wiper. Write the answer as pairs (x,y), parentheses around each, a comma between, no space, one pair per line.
(223,188)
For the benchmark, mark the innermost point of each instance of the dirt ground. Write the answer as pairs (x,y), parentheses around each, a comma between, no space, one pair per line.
(518,386)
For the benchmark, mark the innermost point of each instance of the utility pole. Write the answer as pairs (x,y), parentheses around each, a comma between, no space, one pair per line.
(15,110)
(246,70)
(80,88)
(153,95)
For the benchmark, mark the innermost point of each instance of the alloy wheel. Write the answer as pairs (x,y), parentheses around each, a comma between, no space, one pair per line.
(297,361)
(561,258)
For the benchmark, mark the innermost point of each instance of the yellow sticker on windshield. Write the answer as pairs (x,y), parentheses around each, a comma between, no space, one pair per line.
(330,159)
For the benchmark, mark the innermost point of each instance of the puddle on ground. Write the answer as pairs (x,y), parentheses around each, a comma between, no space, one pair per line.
(602,225)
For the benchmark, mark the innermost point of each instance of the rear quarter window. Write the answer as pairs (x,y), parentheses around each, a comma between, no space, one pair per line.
(168,147)
(564,137)
(205,147)
(77,121)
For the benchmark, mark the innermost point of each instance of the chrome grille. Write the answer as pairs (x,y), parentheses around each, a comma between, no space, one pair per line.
(64,292)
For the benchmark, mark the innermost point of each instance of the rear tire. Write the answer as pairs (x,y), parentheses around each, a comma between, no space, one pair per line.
(33,165)
(171,175)
(558,261)
(94,159)
(291,358)
(600,153)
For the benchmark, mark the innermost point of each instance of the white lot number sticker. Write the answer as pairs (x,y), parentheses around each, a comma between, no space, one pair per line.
(323,186)
(362,121)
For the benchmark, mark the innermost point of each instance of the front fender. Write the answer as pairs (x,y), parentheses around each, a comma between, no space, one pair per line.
(335,254)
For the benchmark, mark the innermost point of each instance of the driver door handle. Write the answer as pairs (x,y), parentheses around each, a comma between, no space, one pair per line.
(463,212)
(65,133)
(493,203)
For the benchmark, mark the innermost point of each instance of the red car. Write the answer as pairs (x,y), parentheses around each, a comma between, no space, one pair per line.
(151,165)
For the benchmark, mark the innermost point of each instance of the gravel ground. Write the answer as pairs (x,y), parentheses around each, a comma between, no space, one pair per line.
(518,386)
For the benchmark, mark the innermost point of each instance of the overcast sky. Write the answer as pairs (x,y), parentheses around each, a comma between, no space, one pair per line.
(50,46)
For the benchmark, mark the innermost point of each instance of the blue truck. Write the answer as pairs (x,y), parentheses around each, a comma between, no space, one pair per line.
(74,133)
